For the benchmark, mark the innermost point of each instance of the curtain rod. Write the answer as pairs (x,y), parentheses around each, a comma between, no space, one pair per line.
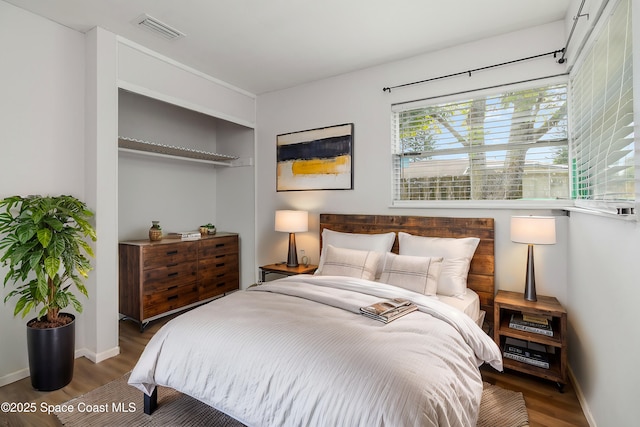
(573,27)
(554,53)
(483,88)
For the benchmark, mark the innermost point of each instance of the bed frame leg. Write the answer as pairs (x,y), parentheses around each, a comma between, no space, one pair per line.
(151,402)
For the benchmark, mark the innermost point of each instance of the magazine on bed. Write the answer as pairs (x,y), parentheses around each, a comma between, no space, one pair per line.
(388,310)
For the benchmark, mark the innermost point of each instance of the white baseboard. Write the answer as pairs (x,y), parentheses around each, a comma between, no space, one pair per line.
(81,352)
(582,400)
(98,357)
(14,376)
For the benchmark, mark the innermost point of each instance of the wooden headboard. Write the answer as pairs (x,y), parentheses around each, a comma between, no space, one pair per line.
(481,272)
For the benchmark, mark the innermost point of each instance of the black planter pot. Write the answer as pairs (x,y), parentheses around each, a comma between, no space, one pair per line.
(51,355)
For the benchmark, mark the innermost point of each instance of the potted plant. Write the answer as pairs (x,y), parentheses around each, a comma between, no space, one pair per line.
(45,246)
(207,229)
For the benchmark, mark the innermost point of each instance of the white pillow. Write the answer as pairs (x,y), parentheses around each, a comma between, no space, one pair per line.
(381,243)
(457,254)
(415,273)
(350,263)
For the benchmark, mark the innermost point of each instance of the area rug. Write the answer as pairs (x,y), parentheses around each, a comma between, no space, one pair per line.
(119,404)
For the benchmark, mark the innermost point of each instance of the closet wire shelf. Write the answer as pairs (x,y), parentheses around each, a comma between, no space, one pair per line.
(131,144)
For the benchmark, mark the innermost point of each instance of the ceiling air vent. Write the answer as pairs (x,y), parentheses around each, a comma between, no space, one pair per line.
(150,23)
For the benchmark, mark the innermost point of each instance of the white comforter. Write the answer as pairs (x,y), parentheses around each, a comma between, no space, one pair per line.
(296,352)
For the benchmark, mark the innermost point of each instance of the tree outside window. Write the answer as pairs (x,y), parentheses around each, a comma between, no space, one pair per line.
(510,146)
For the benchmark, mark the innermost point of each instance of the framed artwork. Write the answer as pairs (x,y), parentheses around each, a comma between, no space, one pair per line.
(316,159)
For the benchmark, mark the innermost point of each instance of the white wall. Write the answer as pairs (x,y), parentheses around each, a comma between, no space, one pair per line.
(42,134)
(602,314)
(236,192)
(178,193)
(101,165)
(143,71)
(358,98)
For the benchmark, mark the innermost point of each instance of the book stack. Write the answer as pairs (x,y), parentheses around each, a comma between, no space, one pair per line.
(527,352)
(186,235)
(529,323)
(389,310)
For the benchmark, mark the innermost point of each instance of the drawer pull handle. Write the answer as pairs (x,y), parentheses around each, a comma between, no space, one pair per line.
(219,285)
(172,274)
(172,252)
(172,287)
(220,264)
(219,245)
(220,256)
(221,275)
(172,265)
(172,297)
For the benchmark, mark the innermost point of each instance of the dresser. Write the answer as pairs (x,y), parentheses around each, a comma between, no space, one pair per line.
(160,278)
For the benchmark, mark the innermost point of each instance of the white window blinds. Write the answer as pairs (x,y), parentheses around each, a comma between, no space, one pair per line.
(509,146)
(602,139)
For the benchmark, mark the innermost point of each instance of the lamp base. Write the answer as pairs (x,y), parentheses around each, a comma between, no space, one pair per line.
(292,258)
(530,280)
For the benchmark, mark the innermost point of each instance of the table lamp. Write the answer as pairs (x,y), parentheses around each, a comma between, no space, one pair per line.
(292,222)
(532,230)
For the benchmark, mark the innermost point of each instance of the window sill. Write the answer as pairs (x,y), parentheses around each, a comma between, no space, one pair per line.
(509,205)
(482,204)
(629,217)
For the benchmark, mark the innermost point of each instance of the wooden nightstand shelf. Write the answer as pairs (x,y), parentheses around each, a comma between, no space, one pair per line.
(284,270)
(507,303)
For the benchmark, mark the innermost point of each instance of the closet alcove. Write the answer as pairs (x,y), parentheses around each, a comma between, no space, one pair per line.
(183,168)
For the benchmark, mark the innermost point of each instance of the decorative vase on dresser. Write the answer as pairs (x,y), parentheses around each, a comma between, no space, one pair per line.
(155,232)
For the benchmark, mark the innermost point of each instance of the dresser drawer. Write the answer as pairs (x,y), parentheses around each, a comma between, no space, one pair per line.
(156,278)
(212,248)
(167,254)
(173,274)
(218,285)
(209,269)
(171,298)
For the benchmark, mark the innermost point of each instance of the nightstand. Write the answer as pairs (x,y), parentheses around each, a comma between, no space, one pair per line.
(284,270)
(508,303)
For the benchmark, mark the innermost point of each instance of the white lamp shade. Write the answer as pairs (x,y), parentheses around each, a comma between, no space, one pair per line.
(292,221)
(536,230)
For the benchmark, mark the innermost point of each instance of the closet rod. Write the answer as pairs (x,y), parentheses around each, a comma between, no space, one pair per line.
(554,53)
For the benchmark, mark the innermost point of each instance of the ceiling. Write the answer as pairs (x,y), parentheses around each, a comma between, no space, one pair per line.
(266,45)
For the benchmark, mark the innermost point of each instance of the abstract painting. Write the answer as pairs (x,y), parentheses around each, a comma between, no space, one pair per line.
(316,159)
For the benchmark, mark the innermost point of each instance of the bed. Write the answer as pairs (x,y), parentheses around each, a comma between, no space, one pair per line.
(296,351)
(482,268)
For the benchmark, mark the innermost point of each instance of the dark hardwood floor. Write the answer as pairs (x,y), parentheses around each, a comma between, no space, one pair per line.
(546,406)
(87,376)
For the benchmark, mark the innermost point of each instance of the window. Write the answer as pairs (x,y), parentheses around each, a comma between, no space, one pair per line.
(515,145)
(509,146)
(602,139)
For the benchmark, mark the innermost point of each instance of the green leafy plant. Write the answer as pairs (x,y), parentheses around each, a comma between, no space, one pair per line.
(45,246)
